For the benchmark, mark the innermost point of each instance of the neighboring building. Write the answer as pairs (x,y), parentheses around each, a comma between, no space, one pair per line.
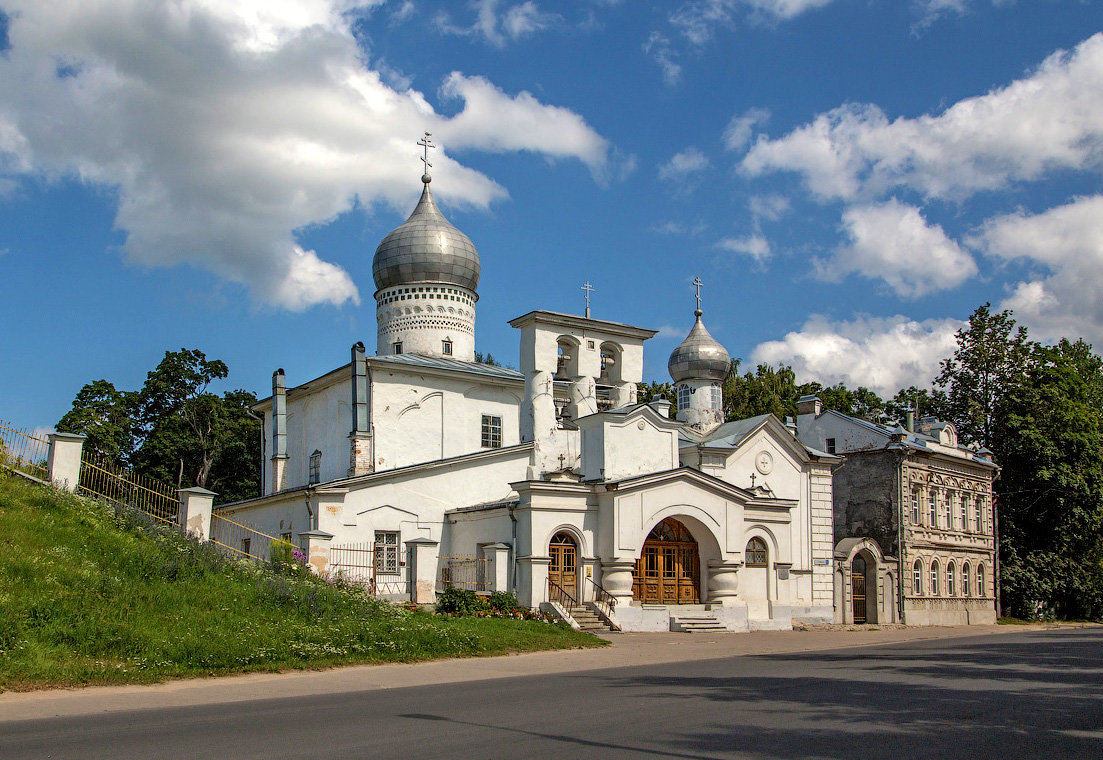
(551,479)
(914,520)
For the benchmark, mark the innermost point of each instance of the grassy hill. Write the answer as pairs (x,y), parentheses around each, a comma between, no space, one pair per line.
(91,595)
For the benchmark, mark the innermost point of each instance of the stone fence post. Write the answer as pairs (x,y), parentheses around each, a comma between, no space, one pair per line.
(315,544)
(63,460)
(497,571)
(421,569)
(194,514)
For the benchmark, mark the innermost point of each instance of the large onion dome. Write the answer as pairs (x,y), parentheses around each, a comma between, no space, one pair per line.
(426,248)
(699,357)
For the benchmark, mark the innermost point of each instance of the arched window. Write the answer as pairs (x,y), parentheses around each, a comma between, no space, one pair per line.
(315,473)
(965,589)
(980,581)
(934,577)
(951,571)
(917,578)
(756,553)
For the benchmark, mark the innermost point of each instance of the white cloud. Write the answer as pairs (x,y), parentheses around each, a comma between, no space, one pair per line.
(1067,242)
(698,20)
(769,207)
(1050,120)
(741,128)
(883,354)
(403,13)
(681,165)
(756,246)
(680,228)
(893,242)
(224,127)
(498,27)
(659,48)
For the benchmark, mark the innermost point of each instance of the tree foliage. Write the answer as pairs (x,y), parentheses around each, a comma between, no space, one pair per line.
(173,429)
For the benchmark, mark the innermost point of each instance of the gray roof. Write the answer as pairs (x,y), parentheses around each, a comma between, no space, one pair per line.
(426,248)
(732,434)
(699,357)
(436,362)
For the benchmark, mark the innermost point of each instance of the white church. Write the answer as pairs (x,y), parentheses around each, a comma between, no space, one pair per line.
(552,480)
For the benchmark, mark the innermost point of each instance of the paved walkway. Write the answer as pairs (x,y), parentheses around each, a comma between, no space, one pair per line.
(625,650)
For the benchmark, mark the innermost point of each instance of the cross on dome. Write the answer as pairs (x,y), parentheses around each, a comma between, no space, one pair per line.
(589,289)
(426,144)
(697,284)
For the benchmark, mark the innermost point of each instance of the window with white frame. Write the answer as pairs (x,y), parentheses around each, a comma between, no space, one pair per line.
(917,578)
(398,347)
(964,512)
(934,577)
(950,572)
(829,445)
(932,499)
(315,467)
(980,580)
(717,396)
(950,509)
(446,347)
(683,396)
(978,507)
(491,435)
(965,589)
(915,507)
(386,552)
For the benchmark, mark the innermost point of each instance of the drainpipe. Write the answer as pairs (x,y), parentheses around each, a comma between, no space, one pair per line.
(900,487)
(513,552)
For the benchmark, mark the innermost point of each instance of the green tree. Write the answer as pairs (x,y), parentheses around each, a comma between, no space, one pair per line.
(107,416)
(921,401)
(767,390)
(648,392)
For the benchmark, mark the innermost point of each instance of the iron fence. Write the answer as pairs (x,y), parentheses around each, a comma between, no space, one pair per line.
(377,568)
(23,451)
(101,478)
(240,539)
(463,572)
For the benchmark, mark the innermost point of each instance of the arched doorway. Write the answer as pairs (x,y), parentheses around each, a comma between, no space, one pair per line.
(669,568)
(563,570)
(858,588)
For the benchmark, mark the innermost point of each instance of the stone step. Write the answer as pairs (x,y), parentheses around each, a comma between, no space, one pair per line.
(696,624)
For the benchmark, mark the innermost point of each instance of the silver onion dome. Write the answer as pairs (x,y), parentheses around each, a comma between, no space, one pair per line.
(699,357)
(426,248)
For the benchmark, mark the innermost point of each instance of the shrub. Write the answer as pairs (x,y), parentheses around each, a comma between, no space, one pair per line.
(501,601)
(461,601)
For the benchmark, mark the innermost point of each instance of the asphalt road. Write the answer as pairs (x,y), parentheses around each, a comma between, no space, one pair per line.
(1032,695)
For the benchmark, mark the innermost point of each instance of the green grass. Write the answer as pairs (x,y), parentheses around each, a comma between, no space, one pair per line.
(89,595)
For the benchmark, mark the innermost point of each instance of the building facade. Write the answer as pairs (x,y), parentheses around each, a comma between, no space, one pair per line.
(914,520)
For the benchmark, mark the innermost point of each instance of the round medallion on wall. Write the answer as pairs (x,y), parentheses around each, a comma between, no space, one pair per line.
(641,425)
(764,463)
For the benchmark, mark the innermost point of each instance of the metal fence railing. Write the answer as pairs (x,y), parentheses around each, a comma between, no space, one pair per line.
(101,478)
(23,451)
(463,572)
(376,567)
(241,539)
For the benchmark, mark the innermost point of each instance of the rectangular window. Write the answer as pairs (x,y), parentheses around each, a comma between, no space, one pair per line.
(386,552)
(683,396)
(830,444)
(491,437)
(932,497)
(316,467)
(964,512)
(915,506)
(949,510)
(446,347)
(245,542)
(398,347)
(978,506)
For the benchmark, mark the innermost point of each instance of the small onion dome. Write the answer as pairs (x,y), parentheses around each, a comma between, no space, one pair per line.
(426,248)
(699,357)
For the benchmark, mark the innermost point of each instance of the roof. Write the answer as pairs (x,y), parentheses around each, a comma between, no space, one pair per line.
(909,439)
(573,320)
(732,434)
(455,365)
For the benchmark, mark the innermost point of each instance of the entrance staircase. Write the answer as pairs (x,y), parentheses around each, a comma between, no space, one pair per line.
(588,620)
(695,622)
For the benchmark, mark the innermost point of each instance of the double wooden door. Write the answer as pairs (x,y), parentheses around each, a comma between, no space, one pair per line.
(858,589)
(563,570)
(669,568)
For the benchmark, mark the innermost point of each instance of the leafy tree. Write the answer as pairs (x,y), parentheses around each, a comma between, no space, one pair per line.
(768,390)
(923,402)
(106,416)
(648,392)
(988,366)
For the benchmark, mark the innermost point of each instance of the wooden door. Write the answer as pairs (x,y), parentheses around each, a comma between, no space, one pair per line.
(858,589)
(563,570)
(668,570)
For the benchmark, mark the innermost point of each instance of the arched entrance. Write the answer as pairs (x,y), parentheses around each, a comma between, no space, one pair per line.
(858,588)
(563,570)
(669,568)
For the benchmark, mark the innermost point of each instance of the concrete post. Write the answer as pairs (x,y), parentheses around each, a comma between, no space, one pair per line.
(315,544)
(194,514)
(421,569)
(497,571)
(63,460)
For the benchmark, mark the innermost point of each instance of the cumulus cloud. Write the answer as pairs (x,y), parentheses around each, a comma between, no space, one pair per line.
(883,354)
(683,164)
(659,48)
(769,207)
(741,128)
(893,242)
(1067,242)
(755,246)
(698,20)
(223,127)
(1050,120)
(498,26)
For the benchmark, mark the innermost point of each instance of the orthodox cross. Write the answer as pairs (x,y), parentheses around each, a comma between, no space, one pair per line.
(589,289)
(426,144)
(561,458)
(752,480)
(697,284)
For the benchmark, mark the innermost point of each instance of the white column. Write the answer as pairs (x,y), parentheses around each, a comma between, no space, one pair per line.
(497,572)
(194,513)
(63,460)
(723,583)
(422,569)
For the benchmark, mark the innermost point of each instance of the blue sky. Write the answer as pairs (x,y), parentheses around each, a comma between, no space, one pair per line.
(850,178)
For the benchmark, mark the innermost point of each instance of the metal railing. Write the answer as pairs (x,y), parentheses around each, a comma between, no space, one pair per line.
(369,565)
(24,452)
(560,596)
(101,478)
(241,539)
(601,596)
(463,572)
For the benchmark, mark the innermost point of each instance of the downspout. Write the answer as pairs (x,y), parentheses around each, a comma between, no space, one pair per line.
(900,486)
(996,549)
(513,550)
